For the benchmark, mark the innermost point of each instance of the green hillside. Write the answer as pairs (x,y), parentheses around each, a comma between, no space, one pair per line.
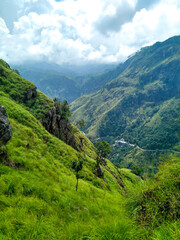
(38,197)
(141,104)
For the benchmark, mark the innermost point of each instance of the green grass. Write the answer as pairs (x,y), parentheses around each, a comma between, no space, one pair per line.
(38,198)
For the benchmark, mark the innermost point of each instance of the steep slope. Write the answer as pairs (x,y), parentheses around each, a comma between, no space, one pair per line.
(142,104)
(42,107)
(38,197)
(94,82)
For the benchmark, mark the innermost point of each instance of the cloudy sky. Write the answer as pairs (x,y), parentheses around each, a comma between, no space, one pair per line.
(83,31)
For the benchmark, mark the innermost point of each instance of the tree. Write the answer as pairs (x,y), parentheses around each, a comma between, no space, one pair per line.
(103,148)
(62,108)
(77,166)
(137,170)
(81,124)
(16,71)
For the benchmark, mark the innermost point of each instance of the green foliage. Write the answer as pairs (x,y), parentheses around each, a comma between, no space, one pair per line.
(160,201)
(81,124)
(24,92)
(39,106)
(37,195)
(103,148)
(137,170)
(155,202)
(62,108)
(85,144)
(169,230)
(140,104)
(16,71)
(77,166)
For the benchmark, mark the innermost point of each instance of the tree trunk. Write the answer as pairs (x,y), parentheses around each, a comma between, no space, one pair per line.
(77,185)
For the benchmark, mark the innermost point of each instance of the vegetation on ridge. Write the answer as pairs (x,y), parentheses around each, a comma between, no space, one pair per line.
(140,105)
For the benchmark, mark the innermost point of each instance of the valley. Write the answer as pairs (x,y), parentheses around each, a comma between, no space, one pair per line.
(145,150)
(66,82)
(55,184)
(89,120)
(141,104)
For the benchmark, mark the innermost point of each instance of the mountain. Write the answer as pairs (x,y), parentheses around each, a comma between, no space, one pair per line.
(141,104)
(51,82)
(39,174)
(66,81)
(38,197)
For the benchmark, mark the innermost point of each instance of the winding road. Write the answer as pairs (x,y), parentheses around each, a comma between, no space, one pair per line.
(161,150)
(147,150)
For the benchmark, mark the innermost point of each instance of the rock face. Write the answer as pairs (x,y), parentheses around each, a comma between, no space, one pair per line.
(99,172)
(31,94)
(5,127)
(59,127)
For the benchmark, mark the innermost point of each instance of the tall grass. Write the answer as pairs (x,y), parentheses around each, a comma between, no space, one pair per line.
(38,198)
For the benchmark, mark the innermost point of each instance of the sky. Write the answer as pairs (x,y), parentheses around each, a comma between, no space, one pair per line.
(83,31)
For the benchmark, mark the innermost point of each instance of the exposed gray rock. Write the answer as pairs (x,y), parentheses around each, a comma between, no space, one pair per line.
(5,127)
(31,94)
(49,122)
(59,127)
(100,172)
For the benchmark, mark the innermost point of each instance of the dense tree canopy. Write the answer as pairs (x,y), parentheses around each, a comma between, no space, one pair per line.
(81,124)
(62,108)
(103,148)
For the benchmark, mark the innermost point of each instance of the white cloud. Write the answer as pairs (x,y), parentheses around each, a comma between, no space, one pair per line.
(3,27)
(83,31)
(148,26)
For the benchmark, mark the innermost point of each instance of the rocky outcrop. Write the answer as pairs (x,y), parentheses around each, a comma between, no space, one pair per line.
(59,127)
(65,132)
(32,93)
(99,171)
(5,127)
(49,122)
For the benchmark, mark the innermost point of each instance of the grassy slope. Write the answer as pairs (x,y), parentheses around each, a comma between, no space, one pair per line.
(37,189)
(18,88)
(155,202)
(38,198)
(37,195)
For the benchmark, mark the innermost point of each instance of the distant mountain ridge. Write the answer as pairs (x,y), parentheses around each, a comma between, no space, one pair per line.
(142,103)
(67,81)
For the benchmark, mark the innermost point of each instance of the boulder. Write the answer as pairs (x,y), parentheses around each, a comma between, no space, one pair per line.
(5,127)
